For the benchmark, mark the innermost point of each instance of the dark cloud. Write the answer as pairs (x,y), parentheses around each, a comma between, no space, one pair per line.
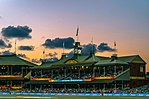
(19,32)
(89,48)
(27,48)
(86,50)
(49,59)
(7,52)
(93,48)
(44,60)
(70,54)
(52,54)
(0,17)
(104,47)
(58,43)
(3,44)
(36,61)
(22,55)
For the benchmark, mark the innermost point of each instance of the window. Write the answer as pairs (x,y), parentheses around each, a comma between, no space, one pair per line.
(141,68)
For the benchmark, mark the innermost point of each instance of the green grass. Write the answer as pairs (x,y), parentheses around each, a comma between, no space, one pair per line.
(100,97)
(86,97)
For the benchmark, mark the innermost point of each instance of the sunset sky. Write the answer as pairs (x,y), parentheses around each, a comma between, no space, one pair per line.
(106,21)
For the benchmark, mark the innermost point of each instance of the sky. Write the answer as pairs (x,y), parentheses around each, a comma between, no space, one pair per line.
(125,22)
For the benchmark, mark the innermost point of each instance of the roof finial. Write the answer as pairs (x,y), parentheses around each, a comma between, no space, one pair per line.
(77,34)
(43,54)
(92,45)
(63,47)
(15,46)
(115,48)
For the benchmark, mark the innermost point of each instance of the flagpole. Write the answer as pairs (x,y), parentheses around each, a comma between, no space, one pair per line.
(115,47)
(63,46)
(15,46)
(92,44)
(77,34)
(43,53)
(77,38)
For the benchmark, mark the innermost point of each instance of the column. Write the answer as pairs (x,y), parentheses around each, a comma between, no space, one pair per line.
(22,71)
(99,72)
(26,70)
(104,86)
(21,84)
(11,70)
(52,73)
(115,84)
(7,70)
(104,71)
(40,88)
(11,83)
(115,70)
(30,88)
(122,84)
(79,72)
(78,86)
(64,86)
(65,72)
(93,71)
(122,68)
(41,72)
(51,86)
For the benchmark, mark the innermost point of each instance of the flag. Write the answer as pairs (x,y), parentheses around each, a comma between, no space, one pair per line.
(114,43)
(92,41)
(63,44)
(77,31)
(44,52)
(28,76)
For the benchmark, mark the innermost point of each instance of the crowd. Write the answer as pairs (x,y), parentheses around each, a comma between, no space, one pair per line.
(142,89)
(75,74)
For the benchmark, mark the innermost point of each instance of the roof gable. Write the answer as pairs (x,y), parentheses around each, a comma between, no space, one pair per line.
(138,59)
(14,60)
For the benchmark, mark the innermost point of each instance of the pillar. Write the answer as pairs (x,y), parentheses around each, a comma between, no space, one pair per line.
(99,72)
(79,72)
(122,84)
(11,70)
(104,86)
(114,69)
(40,88)
(26,69)
(52,73)
(30,88)
(64,86)
(65,72)
(115,84)
(51,86)
(93,71)
(41,72)
(122,68)
(22,71)
(8,70)
(104,71)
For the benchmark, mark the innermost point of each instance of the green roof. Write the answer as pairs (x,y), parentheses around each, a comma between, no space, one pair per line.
(124,75)
(81,58)
(109,62)
(92,58)
(37,82)
(132,59)
(14,60)
(43,65)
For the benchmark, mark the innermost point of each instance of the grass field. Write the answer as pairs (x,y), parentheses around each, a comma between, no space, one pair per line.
(82,97)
